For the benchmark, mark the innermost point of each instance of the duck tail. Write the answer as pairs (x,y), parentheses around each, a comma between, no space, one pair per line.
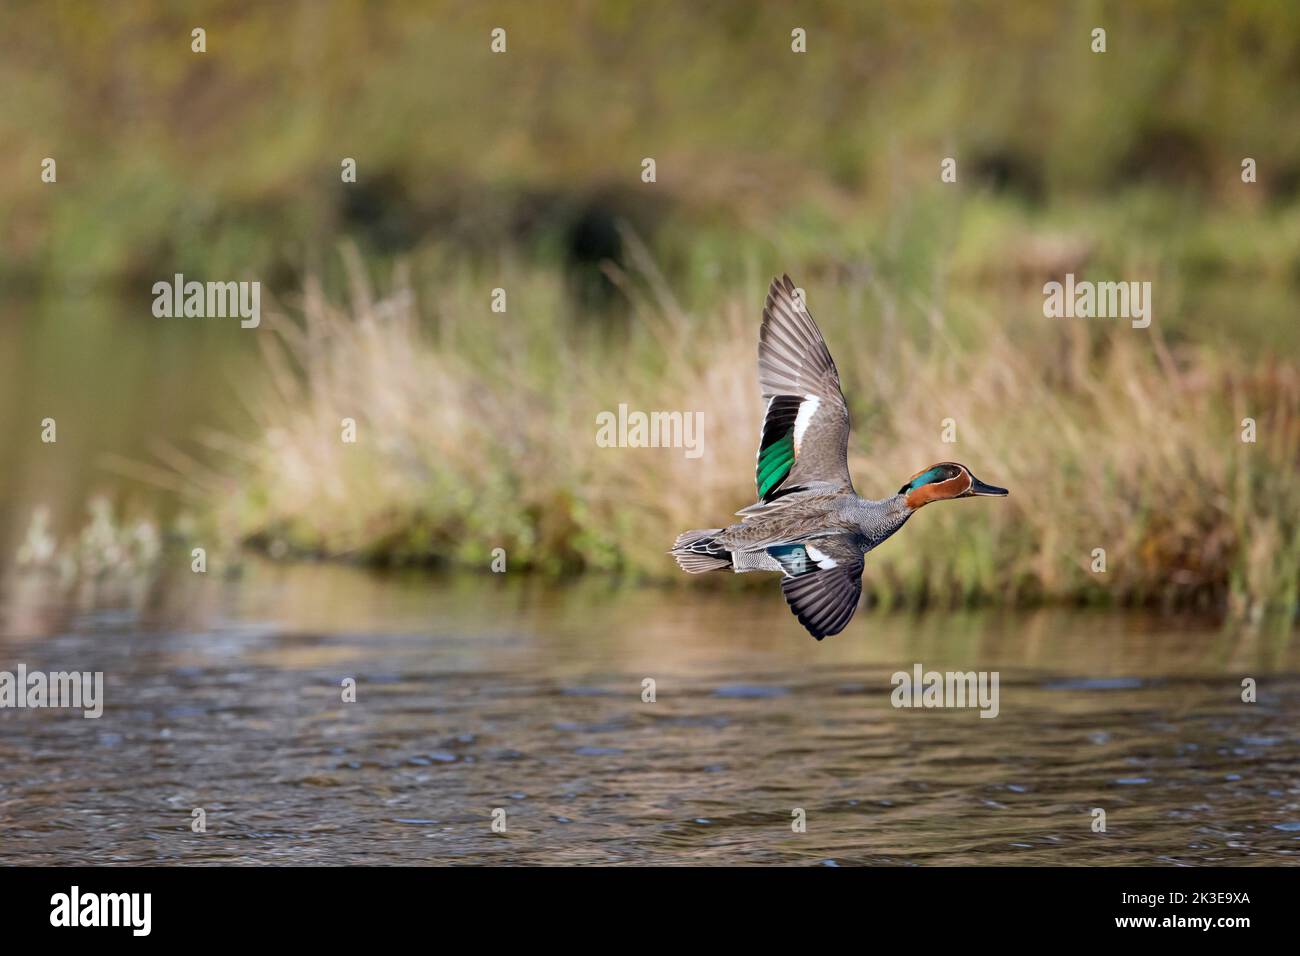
(698,551)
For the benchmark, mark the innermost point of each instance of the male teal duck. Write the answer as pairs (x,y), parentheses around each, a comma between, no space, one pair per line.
(808,523)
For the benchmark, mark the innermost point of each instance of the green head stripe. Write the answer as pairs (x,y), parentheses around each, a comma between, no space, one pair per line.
(934,474)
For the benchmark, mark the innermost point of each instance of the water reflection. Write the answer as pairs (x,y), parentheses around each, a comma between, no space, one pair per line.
(482,693)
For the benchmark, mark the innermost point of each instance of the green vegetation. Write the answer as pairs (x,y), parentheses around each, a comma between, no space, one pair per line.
(479,433)
(228,161)
(522,172)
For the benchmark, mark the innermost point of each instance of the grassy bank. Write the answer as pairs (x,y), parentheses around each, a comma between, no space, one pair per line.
(521,171)
(476,430)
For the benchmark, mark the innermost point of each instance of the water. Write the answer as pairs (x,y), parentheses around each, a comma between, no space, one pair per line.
(479,693)
(126,391)
(487,692)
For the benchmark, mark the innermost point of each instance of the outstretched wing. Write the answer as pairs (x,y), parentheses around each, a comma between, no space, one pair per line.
(821,581)
(805,436)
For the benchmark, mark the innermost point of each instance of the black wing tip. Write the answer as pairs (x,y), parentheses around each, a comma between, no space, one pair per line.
(817,633)
(818,621)
(820,633)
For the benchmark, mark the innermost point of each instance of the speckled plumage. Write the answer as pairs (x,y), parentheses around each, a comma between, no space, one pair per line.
(808,523)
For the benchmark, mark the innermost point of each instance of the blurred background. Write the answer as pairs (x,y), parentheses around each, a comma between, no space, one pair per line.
(476,429)
(522,171)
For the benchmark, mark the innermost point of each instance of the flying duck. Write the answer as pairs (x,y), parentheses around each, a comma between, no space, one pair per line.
(808,523)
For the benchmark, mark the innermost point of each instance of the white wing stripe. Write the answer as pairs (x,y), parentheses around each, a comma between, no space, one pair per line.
(807,409)
(823,561)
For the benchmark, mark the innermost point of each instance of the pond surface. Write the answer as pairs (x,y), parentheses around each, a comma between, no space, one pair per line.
(492,692)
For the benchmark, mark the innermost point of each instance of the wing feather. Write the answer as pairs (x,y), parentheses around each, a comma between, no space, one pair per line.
(794,369)
(824,588)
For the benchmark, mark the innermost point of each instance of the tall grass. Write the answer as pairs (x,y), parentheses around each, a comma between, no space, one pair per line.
(477,430)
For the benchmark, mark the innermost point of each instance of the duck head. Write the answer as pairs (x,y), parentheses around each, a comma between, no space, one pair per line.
(946,480)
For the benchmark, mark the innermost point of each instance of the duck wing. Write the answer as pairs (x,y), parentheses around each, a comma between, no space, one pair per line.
(822,581)
(805,436)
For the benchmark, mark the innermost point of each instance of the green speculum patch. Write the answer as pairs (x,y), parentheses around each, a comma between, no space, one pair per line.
(774,463)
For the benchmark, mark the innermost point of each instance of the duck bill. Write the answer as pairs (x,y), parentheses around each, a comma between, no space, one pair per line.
(981,488)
